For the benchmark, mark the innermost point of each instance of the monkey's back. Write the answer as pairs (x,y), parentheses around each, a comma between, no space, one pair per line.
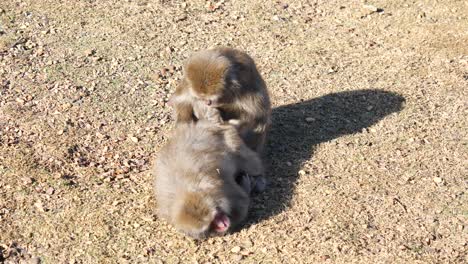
(189,162)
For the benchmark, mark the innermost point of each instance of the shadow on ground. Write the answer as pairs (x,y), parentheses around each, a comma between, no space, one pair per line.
(292,139)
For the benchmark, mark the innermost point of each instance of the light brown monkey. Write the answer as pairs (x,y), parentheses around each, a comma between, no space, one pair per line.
(195,177)
(228,80)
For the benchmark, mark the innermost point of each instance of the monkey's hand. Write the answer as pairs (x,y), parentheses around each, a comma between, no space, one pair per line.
(204,112)
(259,184)
(245,182)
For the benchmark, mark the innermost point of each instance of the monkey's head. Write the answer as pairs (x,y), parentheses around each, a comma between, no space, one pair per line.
(204,214)
(207,75)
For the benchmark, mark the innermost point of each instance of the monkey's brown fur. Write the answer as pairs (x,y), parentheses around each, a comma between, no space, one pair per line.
(195,177)
(228,80)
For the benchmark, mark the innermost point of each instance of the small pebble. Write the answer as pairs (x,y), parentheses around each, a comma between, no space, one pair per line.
(133,138)
(27,180)
(301,172)
(35,260)
(236,249)
(39,206)
(437,180)
(50,191)
(371,8)
(310,119)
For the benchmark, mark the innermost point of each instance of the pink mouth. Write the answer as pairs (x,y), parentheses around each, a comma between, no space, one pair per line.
(221,222)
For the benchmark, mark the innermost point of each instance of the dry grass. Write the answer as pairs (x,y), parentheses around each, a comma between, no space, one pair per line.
(368,153)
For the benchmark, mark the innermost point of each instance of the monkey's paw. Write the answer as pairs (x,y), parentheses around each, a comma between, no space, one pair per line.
(246,183)
(260,184)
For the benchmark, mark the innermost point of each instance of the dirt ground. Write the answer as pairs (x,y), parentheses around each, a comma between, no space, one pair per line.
(368,155)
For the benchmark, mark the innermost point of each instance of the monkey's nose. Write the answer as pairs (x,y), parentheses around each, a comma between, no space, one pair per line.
(208,102)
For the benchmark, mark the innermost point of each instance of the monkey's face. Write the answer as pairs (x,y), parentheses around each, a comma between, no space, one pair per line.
(213,100)
(199,217)
(216,224)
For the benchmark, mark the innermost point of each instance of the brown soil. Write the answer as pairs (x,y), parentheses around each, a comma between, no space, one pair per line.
(367,156)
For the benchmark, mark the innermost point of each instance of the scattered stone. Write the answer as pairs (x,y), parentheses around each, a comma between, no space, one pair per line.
(301,172)
(35,260)
(133,138)
(50,191)
(180,18)
(66,106)
(371,8)
(438,180)
(310,119)
(39,206)
(89,52)
(236,249)
(289,163)
(27,180)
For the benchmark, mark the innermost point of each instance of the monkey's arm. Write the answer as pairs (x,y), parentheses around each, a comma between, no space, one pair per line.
(184,112)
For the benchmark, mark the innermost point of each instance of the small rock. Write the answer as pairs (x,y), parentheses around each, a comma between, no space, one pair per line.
(19,100)
(66,106)
(35,260)
(50,191)
(89,52)
(39,206)
(237,258)
(289,163)
(236,249)
(370,107)
(276,18)
(437,180)
(324,257)
(310,119)
(373,130)
(133,138)
(180,18)
(371,8)
(247,243)
(301,172)
(27,180)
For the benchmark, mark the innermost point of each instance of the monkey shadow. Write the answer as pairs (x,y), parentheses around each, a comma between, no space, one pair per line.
(298,128)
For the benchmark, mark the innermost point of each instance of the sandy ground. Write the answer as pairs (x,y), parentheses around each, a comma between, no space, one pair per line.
(368,155)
